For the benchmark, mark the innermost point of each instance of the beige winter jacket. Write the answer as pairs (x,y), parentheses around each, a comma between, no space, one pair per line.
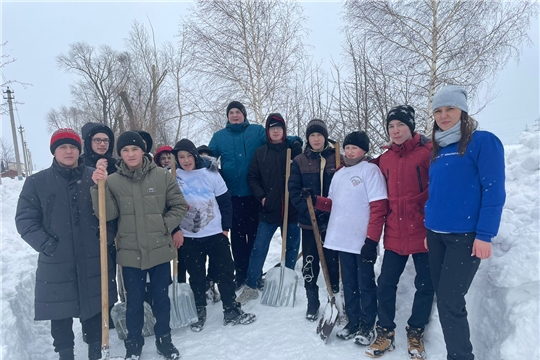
(149,206)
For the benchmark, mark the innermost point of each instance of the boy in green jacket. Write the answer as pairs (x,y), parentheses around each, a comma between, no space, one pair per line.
(149,206)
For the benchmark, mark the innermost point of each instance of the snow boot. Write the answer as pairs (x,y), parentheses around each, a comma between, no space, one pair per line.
(66,354)
(313,304)
(348,332)
(365,334)
(415,343)
(94,351)
(201,314)
(247,295)
(383,343)
(236,315)
(166,348)
(133,349)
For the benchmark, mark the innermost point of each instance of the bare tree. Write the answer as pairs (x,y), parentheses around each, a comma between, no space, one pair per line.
(430,43)
(7,154)
(104,75)
(247,50)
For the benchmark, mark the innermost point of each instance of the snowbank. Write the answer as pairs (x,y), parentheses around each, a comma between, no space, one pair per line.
(503,302)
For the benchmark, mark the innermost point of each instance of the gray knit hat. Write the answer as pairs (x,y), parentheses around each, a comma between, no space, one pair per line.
(451,95)
(317,125)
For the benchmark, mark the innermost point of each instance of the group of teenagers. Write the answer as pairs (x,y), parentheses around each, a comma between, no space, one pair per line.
(438,200)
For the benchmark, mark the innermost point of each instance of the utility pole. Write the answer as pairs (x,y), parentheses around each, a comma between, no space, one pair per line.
(14,132)
(21,130)
(29,158)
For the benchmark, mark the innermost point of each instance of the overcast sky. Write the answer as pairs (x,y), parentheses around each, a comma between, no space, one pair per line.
(38,32)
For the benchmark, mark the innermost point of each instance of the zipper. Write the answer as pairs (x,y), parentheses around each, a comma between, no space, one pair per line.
(419,178)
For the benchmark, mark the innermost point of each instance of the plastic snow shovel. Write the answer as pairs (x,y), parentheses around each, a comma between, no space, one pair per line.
(183,309)
(280,285)
(330,315)
(118,315)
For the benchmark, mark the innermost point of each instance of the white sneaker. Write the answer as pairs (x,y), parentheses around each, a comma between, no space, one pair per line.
(247,295)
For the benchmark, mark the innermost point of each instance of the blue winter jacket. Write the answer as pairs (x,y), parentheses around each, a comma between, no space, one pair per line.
(466,193)
(235,145)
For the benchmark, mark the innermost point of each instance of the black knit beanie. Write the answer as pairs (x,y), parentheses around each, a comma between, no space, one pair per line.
(129,138)
(357,138)
(236,105)
(403,113)
(187,145)
(147,139)
(203,149)
(316,125)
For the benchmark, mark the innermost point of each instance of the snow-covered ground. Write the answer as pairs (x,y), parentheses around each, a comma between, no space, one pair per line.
(503,302)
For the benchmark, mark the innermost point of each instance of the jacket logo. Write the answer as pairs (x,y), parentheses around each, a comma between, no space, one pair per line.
(151,190)
(355,180)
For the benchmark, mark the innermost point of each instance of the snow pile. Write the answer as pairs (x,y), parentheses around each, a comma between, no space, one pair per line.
(503,302)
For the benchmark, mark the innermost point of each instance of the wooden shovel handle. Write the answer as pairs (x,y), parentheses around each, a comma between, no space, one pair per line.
(338,155)
(318,241)
(286,210)
(104,265)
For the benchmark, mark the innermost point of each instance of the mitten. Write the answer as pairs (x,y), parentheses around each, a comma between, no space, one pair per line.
(369,251)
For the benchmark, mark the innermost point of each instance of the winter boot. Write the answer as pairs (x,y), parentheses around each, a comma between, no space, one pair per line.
(261,283)
(348,332)
(365,334)
(133,349)
(383,343)
(201,314)
(94,351)
(235,315)
(415,343)
(313,304)
(166,348)
(247,295)
(66,354)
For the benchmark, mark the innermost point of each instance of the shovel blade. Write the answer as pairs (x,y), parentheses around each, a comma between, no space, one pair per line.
(183,309)
(118,314)
(280,287)
(328,320)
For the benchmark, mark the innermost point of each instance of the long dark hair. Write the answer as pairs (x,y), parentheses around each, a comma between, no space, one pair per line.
(468,125)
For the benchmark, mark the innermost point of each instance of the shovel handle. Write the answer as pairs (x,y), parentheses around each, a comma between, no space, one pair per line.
(338,155)
(286,210)
(318,241)
(104,267)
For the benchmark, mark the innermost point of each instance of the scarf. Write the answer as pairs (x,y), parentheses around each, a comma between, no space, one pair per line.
(351,162)
(450,136)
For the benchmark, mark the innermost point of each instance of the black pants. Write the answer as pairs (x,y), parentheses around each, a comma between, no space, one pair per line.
(181,267)
(392,268)
(62,332)
(311,267)
(452,272)
(217,248)
(243,232)
(359,289)
(135,283)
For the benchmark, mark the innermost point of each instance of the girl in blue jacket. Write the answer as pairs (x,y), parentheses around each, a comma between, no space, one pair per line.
(463,212)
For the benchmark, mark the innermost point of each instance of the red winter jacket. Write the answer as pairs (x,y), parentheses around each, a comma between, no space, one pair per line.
(406,170)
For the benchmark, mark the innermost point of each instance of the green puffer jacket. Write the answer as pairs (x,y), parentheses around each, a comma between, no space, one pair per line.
(149,206)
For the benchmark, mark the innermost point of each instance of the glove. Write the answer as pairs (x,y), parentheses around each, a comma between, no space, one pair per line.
(369,251)
(322,220)
(306,193)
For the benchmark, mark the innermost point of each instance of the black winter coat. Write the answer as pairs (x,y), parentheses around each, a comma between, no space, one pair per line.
(55,217)
(90,157)
(266,179)
(306,172)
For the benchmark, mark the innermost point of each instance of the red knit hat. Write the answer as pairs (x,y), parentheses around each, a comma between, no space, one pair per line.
(65,136)
(164,148)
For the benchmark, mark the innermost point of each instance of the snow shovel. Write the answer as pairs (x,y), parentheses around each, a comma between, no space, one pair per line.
(280,285)
(328,320)
(118,315)
(183,309)
(104,271)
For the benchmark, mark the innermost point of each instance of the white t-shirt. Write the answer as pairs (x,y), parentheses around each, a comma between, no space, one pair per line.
(351,190)
(200,188)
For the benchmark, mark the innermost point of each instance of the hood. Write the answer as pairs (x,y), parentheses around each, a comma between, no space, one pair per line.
(273,118)
(89,130)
